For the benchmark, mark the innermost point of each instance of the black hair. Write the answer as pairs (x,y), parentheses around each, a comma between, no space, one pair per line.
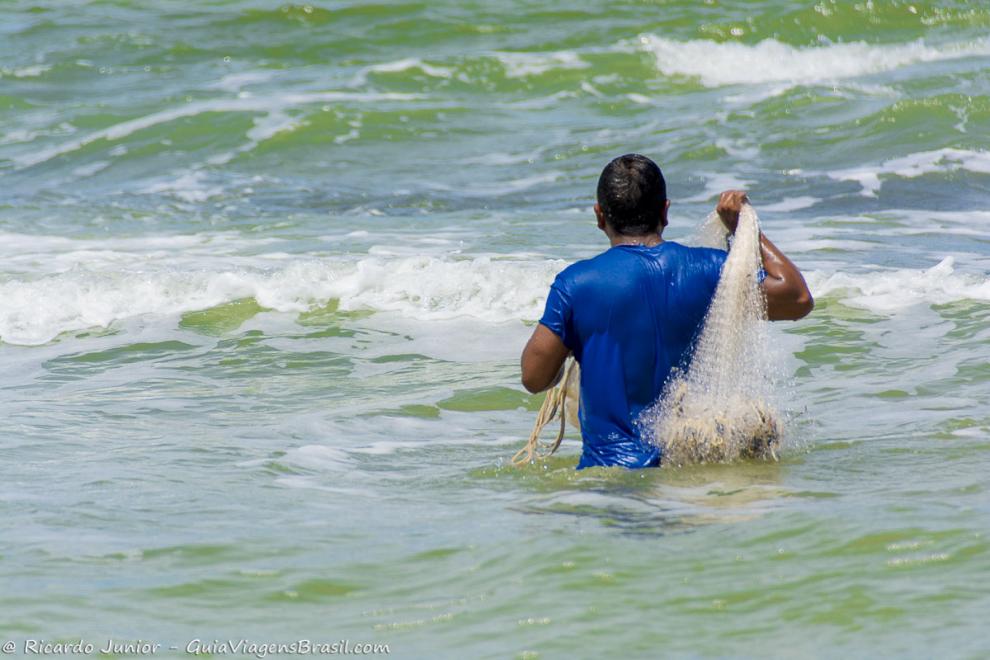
(632,194)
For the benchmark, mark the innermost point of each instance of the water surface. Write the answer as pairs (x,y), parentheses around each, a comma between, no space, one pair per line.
(266,270)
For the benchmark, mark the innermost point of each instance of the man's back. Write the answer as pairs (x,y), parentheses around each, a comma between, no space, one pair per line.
(629,315)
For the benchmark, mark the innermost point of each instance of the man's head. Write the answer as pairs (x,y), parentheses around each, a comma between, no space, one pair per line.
(632,196)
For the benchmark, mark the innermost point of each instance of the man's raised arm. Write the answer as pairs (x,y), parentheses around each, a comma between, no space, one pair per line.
(788,296)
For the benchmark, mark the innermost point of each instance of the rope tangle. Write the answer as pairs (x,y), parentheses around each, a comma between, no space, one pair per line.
(553,405)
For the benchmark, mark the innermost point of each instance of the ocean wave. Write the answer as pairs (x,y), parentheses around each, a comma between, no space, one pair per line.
(41,306)
(521,65)
(32,71)
(770,61)
(188,187)
(791,204)
(401,66)
(887,292)
(40,255)
(272,105)
(914,165)
(37,310)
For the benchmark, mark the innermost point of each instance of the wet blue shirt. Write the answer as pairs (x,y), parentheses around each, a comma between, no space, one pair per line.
(629,315)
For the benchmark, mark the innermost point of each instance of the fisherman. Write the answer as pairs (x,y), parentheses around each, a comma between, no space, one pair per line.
(630,314)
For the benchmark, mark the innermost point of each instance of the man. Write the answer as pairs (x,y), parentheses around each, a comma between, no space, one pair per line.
(631,313)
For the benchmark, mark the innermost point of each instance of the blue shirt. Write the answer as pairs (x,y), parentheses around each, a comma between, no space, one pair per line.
(629,315)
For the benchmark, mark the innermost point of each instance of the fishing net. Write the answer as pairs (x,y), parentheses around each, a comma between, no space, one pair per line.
(717,408)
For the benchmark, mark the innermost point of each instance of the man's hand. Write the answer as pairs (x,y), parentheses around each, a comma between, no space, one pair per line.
(729,204)
(788,296)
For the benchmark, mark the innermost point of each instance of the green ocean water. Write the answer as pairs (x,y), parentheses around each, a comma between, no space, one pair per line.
(266,271)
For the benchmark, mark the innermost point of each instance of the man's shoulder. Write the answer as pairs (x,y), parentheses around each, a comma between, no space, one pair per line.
(586,271)
(697,253)
(582,266)
(686,259)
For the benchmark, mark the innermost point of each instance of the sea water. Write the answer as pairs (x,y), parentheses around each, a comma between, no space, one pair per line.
(266,271)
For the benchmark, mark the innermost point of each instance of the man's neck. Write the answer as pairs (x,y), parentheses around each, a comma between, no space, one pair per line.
(644,240)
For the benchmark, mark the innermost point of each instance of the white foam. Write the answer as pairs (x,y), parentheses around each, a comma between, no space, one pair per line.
(32,71)
(234,82)
(716,184)
(503,158)
(319,457)
(188,187)
(521,65)
(427,287)
(270,125)
(960,223)
(54,284)
(464,339)
(591,89)
(542,102)
(38,309)
(18,135)
(915,165)
(738,148)
(265,127)
(89,169)
(790,204)
(398,66)
(816,244)
(887,292)
(769,61)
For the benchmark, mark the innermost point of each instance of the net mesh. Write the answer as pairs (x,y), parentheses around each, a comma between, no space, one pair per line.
(717,408)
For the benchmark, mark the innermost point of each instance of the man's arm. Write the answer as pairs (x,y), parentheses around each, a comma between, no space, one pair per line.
(788,296)
(542,359)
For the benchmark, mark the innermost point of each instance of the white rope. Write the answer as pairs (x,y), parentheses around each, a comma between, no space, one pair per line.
(553,405)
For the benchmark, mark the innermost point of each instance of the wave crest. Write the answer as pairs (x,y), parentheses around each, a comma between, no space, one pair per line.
(732,63)
(37,310)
